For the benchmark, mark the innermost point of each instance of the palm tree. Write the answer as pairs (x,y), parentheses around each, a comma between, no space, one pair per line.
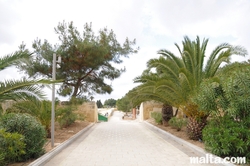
(19,89)
(177,78)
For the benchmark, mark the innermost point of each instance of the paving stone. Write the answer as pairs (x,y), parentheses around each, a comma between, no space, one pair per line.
(119,143)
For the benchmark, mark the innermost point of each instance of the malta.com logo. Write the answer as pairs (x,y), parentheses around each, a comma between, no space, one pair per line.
(211,159)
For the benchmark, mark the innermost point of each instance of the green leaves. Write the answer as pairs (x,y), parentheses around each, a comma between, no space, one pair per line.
(157,117)
(12,147)
(175,79)
(228,93)
(21,89)
(14,59)
(33,132)
(87,59)
(226,137)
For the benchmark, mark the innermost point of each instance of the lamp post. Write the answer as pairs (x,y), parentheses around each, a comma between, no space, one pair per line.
(53,98)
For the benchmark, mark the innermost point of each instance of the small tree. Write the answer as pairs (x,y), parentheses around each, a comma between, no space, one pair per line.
(124,104)
(86,59)
(99,104)
(110,102)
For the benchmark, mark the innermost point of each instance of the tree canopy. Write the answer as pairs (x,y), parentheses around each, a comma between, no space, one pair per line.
(87,59)
(124,104)
(175,78)
(110,102)
(99,104)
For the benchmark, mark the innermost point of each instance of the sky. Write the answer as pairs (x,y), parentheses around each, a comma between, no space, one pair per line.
(155,24)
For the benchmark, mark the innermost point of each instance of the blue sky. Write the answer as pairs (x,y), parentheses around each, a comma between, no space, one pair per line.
(155,24)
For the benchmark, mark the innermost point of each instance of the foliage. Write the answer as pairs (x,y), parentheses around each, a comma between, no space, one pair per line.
(2,161)
(23,89)
(32,130)
(228,94)
(78,100)
(14,59)
(110,103)
(157,117)
(223,136)
(124,104)
(173,80)
(66,116)
(12,147)
(39,109)
(99,104)
(177,123)
(87,59)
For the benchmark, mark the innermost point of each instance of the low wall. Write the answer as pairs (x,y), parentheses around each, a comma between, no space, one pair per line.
(90,110)
(147,107)
(7,104)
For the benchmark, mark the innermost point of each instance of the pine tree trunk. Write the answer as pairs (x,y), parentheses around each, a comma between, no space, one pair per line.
(195,127)
(167,113)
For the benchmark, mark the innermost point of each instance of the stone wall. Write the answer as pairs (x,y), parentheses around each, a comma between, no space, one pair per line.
(90,110)
(147,107)
(7,104)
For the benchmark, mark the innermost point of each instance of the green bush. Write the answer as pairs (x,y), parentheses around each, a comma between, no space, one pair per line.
(32,130)
(39,109)
(66,116)
(2,161)
(177,123)
(157,116)
(224,136)
(12,147)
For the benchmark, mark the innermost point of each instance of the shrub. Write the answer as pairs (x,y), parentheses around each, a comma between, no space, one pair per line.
(224,136)
(66,116)
(12,147)
(157,116)
(177,123)
(2,161)
(39,109)
(30,128)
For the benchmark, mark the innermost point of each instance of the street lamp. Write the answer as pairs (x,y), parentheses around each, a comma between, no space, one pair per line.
(53,97)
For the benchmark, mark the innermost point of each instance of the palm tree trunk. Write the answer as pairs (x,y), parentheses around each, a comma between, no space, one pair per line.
(167,113)
(195,127)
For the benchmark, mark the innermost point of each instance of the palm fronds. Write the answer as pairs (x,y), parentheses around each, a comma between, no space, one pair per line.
(13,59)
(21,89)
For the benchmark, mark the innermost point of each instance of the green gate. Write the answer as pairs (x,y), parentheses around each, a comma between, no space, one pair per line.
(102,118)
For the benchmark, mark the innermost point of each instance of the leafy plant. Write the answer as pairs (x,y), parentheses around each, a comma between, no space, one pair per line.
(174,79)
(12,147)
(32,130)
(66,116)
(124,104)
(2,161)
(177,123)
(157,116)
(39,109)
(224,136)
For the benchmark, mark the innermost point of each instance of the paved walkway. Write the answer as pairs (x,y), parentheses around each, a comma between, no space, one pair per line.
(120,143)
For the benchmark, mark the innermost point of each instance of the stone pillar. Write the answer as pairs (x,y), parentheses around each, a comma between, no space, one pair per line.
(134,113)
(141,112)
